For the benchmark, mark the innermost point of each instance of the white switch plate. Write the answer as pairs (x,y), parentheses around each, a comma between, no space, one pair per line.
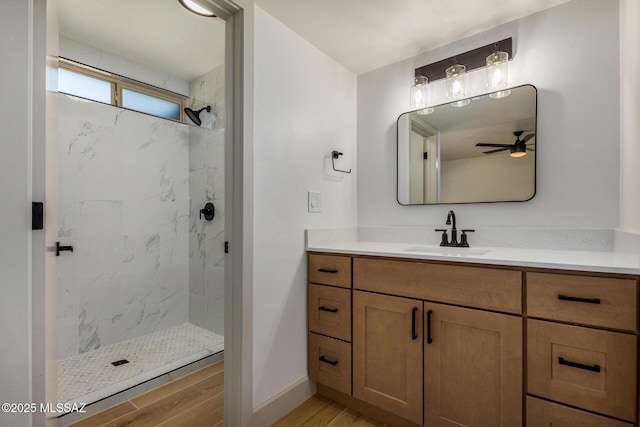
(315,202)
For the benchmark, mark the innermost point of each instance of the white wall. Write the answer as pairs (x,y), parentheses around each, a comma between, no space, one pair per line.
(630,114)
(305,106)
(459,178)
(570,54)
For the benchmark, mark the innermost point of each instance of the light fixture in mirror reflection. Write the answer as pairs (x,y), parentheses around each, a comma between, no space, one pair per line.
(467,155)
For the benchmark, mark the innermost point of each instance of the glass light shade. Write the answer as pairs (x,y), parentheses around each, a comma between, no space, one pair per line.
(419,92)
(497,74)
(455,85)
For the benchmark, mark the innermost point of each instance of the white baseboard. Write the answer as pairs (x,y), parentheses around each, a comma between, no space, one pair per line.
(284,402)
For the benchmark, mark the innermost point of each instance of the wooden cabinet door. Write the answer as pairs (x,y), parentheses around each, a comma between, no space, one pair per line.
(387,353)
(472,368)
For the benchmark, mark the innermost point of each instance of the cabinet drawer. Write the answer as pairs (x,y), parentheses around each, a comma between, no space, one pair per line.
(587,368)
(596,301)
(330,362)
(330,311)
(541,413)
(488,288)
(330,270)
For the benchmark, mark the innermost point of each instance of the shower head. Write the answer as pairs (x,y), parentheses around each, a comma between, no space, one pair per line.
(195,115)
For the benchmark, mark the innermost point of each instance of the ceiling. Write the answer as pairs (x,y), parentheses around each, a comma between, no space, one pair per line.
(461,144)
(160,34)
(364,35)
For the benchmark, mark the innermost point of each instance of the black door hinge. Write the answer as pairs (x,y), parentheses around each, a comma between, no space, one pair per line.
(425,155)
(226,247)
(37,215)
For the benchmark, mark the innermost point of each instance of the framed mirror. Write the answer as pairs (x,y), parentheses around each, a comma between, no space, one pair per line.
(484,151)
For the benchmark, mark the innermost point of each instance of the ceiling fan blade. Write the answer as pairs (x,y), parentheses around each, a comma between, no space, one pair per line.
(528,137)
(483,144)
(495,151)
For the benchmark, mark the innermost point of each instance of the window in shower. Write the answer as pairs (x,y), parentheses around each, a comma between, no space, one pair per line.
(150,104)
(84,86)
(97,85)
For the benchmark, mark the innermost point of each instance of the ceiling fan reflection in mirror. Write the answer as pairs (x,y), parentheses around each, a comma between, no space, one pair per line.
(517,149)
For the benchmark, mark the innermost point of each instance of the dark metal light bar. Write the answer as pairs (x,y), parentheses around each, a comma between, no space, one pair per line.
(472,60)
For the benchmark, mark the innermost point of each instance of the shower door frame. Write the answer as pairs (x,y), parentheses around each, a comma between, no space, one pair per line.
(238,290)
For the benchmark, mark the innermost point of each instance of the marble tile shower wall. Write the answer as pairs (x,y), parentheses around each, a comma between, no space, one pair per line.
(207,181)
(124,206)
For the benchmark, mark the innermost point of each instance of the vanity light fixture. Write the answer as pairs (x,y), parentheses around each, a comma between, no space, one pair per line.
(497,74)
(489,56)
(419,95)
(455,85)
(197,7)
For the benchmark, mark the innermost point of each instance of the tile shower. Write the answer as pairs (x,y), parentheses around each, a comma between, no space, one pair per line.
(146,272)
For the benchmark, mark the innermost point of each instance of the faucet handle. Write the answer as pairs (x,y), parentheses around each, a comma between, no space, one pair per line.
(445,237)
(463,238)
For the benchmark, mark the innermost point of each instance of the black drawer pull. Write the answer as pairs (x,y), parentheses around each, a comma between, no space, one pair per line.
(330,362)
(429,340)
(326,270)
(594,368)
(330,310)
(576,299)
(414,335)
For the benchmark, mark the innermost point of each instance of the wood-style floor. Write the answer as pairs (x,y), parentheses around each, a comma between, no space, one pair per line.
(196,399)
(319,411)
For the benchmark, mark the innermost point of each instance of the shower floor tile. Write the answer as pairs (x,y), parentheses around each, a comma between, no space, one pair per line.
(89,377)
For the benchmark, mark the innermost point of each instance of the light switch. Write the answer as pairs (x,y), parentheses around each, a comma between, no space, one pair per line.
(315,202)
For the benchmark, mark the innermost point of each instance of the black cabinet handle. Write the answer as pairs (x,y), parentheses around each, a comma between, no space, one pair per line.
(325,270)
(594,368)
(330,310)
(62,248)
(429,340)
(576,299)
(328,361)
(414,335)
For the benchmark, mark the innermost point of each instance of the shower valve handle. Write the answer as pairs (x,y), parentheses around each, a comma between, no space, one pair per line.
(209,211)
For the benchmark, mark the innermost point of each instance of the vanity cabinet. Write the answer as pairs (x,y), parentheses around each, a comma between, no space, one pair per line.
(574,356)
(329,316)
(472,357)
(472,367)
(387,353)
(416,342)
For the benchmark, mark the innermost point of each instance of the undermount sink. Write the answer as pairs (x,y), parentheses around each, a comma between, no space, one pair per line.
(446,251)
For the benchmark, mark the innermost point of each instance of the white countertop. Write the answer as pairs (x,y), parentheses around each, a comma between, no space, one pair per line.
(606,262)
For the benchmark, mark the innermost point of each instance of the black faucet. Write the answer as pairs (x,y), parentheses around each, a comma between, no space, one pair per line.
(451,220)
(451,217)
